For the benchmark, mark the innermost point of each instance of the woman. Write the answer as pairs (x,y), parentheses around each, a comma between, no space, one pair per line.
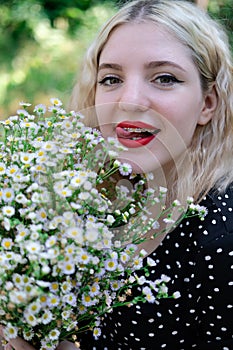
(160,77)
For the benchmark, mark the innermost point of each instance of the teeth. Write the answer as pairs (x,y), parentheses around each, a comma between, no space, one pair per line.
(139,130)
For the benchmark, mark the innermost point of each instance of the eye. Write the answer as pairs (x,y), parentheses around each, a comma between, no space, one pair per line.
(167,80)
(110,80)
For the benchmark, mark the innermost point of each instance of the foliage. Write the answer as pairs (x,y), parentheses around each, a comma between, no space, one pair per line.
(35,42)
(42,43)
(223,10)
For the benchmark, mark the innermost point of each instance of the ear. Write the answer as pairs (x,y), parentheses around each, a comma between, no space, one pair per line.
(209,106)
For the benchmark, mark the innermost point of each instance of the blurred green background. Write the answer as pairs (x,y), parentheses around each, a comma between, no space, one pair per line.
(42,43)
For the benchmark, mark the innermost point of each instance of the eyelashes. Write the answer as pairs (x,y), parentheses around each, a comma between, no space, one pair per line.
(167,79)
(109,81)
(160,80)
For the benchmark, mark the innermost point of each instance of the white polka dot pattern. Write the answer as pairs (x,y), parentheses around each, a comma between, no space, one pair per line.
(199,259)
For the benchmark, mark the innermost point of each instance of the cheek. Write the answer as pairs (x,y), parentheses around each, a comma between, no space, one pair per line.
(105,113)
(183,120)
(100,98)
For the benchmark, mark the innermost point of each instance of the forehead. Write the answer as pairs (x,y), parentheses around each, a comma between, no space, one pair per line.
(145,39)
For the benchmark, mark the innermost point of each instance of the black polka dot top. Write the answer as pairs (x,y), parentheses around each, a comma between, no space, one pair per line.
(198,257)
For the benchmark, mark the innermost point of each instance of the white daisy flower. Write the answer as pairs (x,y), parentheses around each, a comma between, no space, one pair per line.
(50,146)
(8,210)
(2,168)
(66,314)
(165,278)
(94,289)
(176,295)
(76,233)
(36,197)
(150,262)
(7,243)
(54,287)
(155,225)
(31,319)
(21,198)
(162,190)
(176,203)
(87,185)
(53,300)
(29,125)
(87,300)
(51,241)
(41,214)
(24,104)
(91,219)
(66,287)
(70,299)
(110,219)
(43,299)
(9,285)
(110,264)
(65,192)
(168,221)
(40,153)
(83,258)
(96,332)
(132,279)
(125,169)
(45,269)
(91,235)
(22,113)
(28,335)
(10,332)
(33,247)
(190,200)
(68,267)
(34,307)
(84,196)
(56,102)
(163,289)
(115,285)
(17,279)
(8,195)
(148,295)
(71,325)
(26,157)
(124,257)
(137,263)
(11,170)
(6,224)
(64,150)
(40,109)
(47,317)
(67,124)
(77,180)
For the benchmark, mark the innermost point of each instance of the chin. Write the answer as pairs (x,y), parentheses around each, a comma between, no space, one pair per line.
(141,166)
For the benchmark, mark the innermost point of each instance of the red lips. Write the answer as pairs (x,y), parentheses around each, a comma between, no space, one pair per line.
(135,134)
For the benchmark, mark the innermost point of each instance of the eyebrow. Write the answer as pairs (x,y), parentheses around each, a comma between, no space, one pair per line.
(155,64)
(109,65)
(152,64)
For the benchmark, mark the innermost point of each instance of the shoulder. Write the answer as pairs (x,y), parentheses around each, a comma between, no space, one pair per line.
(221,207)
(217,226)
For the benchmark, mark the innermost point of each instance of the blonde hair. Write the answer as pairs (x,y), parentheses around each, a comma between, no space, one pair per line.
(212,145)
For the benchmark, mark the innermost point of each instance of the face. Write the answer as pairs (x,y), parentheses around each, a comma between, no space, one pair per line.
(148,95)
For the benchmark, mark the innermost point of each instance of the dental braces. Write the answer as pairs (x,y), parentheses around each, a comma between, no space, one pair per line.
(140,130)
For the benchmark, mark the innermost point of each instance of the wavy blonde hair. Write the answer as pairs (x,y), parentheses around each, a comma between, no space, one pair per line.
(212,145)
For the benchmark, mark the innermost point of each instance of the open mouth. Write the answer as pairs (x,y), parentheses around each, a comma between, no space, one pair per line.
(135,134)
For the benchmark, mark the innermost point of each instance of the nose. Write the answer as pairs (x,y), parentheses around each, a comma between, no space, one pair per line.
(133,97)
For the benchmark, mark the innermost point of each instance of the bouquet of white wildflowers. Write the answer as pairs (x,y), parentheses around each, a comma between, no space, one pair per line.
(62,261)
